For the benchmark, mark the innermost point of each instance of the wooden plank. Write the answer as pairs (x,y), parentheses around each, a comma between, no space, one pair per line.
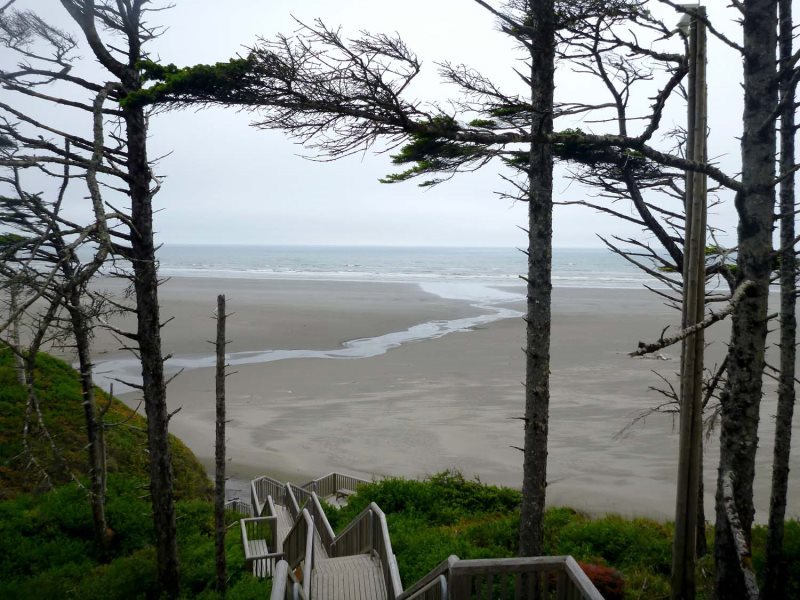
(350,577)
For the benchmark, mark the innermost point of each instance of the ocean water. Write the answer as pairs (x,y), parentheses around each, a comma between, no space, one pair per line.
(572,267)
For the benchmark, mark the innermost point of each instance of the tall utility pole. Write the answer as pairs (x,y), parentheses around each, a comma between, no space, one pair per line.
(690,446)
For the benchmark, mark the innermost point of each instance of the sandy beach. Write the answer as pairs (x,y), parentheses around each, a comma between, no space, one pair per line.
(434,404)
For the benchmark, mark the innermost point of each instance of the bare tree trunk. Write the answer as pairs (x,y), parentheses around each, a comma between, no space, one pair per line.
(124,18)
(741,398)
(145,281)
(775,570)
(701,545)
(539,284)
(94,428)
(19,363)
(219,473)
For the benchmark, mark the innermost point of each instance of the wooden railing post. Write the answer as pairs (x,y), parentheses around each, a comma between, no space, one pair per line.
(459,585)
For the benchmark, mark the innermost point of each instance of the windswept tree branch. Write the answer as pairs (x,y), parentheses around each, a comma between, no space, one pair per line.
(713,317)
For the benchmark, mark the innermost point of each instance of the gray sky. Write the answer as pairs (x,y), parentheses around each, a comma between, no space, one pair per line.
(227,182)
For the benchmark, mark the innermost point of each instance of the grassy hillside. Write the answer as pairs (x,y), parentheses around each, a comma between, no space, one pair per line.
(58,390)
(46,541)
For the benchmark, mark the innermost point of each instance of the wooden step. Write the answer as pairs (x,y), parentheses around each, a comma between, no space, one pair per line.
(348,578)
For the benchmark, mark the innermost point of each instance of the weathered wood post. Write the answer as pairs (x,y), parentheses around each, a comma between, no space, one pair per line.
(690,445)
(219,470)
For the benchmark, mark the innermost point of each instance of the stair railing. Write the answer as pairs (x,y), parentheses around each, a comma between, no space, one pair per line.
(263,528)
(332,483)
(285,585)
(513,578)
(260,560)
(368,533)
(436,589)
(301,494)
(279,583)
(324,528)
(289,500)
(262,487)
(239,506)
(432,586)
(298,549)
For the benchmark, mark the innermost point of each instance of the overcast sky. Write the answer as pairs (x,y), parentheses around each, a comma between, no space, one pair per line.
(227,182)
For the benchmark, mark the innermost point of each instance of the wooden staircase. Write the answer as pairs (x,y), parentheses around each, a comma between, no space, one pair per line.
(290,539)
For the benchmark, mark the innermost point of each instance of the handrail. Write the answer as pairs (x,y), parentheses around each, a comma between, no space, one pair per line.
(273,513)
(290,501)
(279,582)
(324,486)
(239,506)
(368,532)
(391,574)
(356,538)
(433,590)
(581,579)
(260,488)
(285,585)
(301,494)
(439,570)
(254,499)
(252,528)
(298,548)
(329,484)
(324,528)
(530,575)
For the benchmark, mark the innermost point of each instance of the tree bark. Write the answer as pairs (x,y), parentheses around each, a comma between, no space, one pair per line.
(19,363)
(96,452)
(124,18)
(775,570)
(741,397)
(145,281)
(219,472)
(539,284)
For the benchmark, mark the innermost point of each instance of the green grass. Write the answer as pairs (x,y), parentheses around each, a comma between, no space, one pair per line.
(46,548)
(58,391)
(46,537)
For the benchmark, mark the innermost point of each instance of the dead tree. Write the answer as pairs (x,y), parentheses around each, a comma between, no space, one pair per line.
(46,260)
(219,464)
(116,34)
(775,574)
(755,203)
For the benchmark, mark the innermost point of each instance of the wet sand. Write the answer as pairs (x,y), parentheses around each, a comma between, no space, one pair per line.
(451,402)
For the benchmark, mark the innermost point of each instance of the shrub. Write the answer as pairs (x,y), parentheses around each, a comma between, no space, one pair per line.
(620,542)
(609,582)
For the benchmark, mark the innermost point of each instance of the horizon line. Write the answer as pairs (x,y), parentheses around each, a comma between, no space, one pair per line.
(488,247)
